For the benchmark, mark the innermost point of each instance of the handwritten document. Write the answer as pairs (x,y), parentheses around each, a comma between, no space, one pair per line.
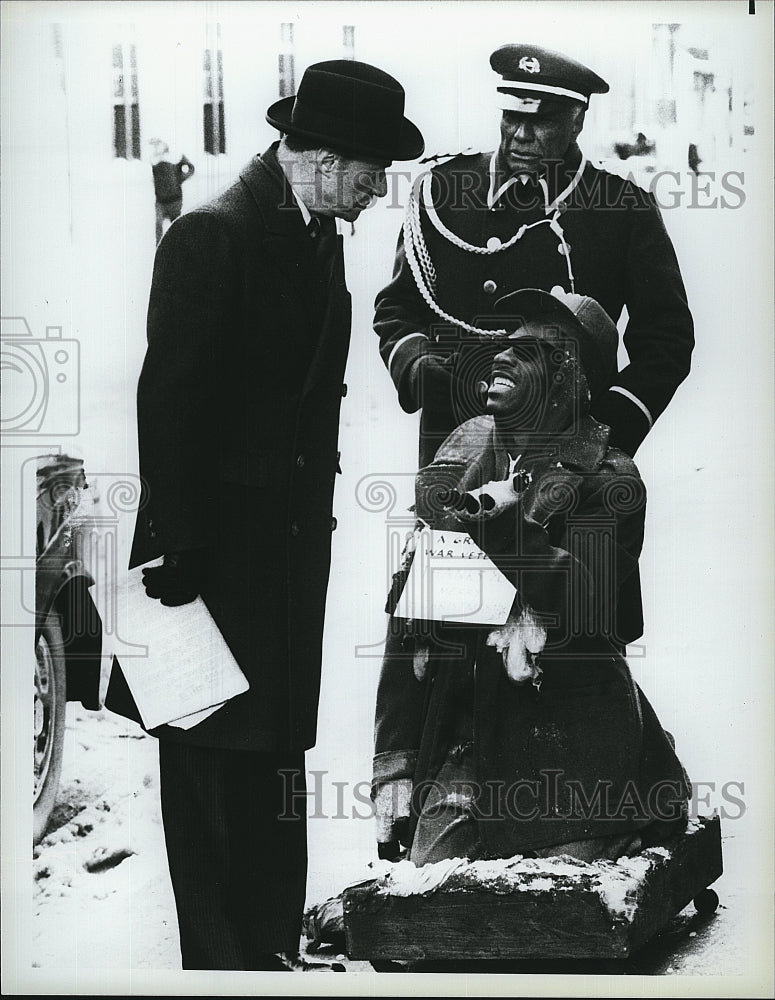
(189,671)
(452,580)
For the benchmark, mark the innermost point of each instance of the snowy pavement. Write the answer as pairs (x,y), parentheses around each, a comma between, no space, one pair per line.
(102,896)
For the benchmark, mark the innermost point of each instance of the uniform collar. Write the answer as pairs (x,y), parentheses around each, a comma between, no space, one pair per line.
(556,186)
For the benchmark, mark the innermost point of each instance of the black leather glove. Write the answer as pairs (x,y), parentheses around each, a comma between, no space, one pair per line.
(178,580)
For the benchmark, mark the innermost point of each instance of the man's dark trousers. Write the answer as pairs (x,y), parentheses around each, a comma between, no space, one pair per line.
(238,874)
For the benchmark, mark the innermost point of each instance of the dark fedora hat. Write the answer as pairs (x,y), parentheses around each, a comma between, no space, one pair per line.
(351,107)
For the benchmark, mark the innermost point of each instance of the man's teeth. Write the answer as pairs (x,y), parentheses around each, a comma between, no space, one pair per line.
(507,383)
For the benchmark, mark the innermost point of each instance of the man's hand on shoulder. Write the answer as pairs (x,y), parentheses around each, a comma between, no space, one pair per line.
(435,384)
(178,580)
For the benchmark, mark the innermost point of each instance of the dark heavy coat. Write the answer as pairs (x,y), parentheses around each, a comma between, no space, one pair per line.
(621,255)
(238,414)
(582,755)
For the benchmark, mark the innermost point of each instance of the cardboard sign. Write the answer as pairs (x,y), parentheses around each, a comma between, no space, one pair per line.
(452,580)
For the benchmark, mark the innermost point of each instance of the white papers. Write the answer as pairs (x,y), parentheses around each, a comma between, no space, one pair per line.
(189,721)
(451,579)
(188,671)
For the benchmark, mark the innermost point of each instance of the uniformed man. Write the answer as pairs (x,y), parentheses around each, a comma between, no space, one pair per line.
(535,213)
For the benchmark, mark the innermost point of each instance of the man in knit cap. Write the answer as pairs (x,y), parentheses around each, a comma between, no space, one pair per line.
(526,735)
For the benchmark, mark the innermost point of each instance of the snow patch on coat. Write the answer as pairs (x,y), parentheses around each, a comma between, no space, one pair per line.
(519,642)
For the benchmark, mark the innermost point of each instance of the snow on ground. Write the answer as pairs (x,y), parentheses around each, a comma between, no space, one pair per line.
(102,895)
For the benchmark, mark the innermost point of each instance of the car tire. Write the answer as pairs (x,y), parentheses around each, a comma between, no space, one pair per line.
(49,713)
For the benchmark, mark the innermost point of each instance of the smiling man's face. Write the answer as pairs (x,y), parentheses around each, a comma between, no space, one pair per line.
(528,139)
(520,380)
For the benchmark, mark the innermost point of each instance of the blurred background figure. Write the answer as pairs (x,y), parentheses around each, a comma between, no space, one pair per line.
(168,179)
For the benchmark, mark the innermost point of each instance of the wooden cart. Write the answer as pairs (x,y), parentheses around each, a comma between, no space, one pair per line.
(553,908)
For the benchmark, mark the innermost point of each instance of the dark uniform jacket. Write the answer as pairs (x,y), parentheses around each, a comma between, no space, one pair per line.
(620,254)
(238,414)
(582,754)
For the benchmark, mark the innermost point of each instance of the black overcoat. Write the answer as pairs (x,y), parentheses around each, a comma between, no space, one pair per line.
(238,415)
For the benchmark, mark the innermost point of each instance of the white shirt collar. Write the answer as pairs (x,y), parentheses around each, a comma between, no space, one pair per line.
(305,214)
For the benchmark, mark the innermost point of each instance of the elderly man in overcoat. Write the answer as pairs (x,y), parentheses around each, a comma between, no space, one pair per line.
(534,213)
(529,735)
(238,412)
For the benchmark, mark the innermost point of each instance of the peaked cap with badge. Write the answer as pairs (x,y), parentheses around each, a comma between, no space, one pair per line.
(529,74)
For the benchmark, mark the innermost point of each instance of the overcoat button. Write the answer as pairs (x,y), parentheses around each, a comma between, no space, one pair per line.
(334,523)
(300,461)
(344,388)
(295,528)
(564,249)
(489,286)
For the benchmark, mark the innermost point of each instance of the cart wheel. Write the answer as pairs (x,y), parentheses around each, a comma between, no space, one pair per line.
(706,902)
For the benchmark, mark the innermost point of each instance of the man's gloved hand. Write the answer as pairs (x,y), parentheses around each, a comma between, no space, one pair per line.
(178,580)
(392,804)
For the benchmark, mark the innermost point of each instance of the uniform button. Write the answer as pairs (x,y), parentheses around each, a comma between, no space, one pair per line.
(295,528)
(564,249)
(494,244)
(489,286)
(300,461)
(334,523)
(344,388)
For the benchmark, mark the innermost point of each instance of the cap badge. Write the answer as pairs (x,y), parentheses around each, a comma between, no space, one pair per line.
(529,64)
